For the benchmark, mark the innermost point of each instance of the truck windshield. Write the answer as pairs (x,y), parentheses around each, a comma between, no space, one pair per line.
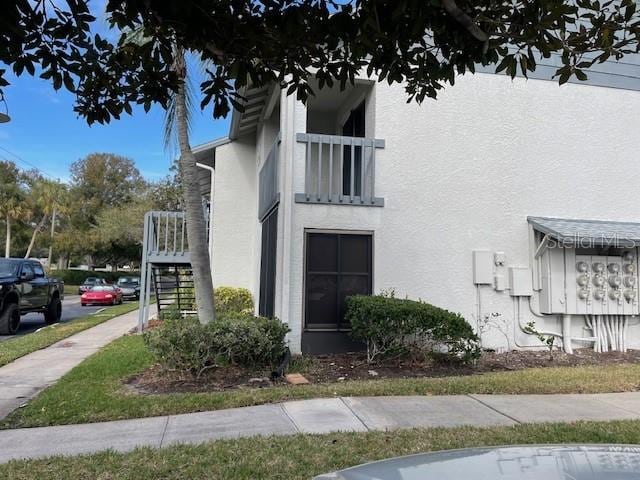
(8,269)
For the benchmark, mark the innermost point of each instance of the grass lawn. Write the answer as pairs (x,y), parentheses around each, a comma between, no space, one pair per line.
(20,346)
(93,391)
(303,456)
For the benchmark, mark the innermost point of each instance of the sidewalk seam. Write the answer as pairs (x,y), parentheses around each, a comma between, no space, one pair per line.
(164,432)
(354,414)
(286,414)
(494,409)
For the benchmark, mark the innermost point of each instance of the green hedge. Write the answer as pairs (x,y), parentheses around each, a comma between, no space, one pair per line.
(392,327)
(76,277)
(236,339)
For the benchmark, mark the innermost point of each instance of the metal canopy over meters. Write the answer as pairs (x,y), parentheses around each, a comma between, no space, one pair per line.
(588,233)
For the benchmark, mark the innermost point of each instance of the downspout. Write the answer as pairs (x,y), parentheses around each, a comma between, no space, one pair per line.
(212,172)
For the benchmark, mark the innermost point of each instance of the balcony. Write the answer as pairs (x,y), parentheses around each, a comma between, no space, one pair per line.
(339,170)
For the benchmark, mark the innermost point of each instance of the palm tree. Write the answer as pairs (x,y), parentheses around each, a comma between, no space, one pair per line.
(12,209)
(44,196)
(12,204)
(177,126)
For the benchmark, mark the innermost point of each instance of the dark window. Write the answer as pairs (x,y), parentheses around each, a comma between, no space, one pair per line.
(353,127)
(37,268)
(337,266)
(28,270)
(268,264)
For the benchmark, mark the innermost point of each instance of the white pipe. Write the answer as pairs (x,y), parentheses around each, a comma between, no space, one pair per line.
(540,315)
(566,334)
(523,327)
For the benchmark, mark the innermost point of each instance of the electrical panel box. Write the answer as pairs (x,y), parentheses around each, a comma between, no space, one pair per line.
(582,283)
(520,282)
(499,283)
(482,267)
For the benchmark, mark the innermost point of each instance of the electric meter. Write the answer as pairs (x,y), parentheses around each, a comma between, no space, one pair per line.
(629,281)
(613,268)
(629,294)
(583,280)
(582,267)
(598,280)
(598,267)
(630,268)
(614,294)
(628,257)
(583,293)
(598,294)
(615,281)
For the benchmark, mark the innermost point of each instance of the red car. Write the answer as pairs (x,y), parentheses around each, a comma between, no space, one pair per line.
(102,295)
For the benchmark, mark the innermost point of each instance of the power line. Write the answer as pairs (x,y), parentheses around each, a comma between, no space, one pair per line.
(22,160)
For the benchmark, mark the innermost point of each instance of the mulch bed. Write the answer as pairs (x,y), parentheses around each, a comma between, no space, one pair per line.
(352,366)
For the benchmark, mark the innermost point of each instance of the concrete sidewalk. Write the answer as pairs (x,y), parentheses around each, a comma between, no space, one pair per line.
(317,416)
(24,378)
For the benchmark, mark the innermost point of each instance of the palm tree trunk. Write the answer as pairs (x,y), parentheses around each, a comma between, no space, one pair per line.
(196,227)
(53,231)
(34,235)
(7,245)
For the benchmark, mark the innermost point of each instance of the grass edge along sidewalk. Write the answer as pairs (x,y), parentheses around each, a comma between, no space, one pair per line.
(99,382)
(20,346)
(304,456)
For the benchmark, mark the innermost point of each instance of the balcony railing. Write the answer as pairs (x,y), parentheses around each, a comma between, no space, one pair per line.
(340,170)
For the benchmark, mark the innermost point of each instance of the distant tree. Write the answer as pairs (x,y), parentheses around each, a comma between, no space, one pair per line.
(104,180)
(43,199)
(167,195)
(12,198)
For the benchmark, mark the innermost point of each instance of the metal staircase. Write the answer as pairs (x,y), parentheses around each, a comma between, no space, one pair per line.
(166,266)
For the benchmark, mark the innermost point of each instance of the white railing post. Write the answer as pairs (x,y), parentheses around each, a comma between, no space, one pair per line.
(319,192)
(330,182)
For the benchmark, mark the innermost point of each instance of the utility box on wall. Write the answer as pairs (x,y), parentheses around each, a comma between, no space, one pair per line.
(520,282)
(482,267)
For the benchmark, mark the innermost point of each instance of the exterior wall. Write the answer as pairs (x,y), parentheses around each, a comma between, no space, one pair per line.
(463,173)
(235,217)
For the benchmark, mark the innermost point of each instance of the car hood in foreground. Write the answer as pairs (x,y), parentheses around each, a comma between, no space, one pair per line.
(533,462)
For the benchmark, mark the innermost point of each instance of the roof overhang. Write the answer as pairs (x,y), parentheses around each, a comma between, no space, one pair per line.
(254,101)
(570,232)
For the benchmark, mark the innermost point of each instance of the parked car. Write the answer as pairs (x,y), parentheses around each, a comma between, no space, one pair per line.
(102,295)
(130,287)
(89,283)
(25,288)
(534,462)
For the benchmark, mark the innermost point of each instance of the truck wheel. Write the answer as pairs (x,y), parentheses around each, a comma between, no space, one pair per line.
(10,319)
(53,313)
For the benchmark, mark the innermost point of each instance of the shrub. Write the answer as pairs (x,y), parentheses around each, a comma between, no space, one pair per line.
(183,344)
(233,300)
(237,339)
(391,326)
(250,341)
(228,300)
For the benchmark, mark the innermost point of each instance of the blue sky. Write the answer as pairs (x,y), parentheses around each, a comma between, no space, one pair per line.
(44,131)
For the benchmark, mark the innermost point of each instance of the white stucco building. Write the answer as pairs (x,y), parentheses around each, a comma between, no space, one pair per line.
(359,192)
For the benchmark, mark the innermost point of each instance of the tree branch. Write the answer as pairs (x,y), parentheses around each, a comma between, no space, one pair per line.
(465,20)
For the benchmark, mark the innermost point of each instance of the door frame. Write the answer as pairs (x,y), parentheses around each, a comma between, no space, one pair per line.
(334,231)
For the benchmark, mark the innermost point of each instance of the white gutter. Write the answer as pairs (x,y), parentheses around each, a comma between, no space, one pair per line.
(212,172)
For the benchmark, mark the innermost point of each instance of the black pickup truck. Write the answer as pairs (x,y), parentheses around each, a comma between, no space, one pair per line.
(25,288)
